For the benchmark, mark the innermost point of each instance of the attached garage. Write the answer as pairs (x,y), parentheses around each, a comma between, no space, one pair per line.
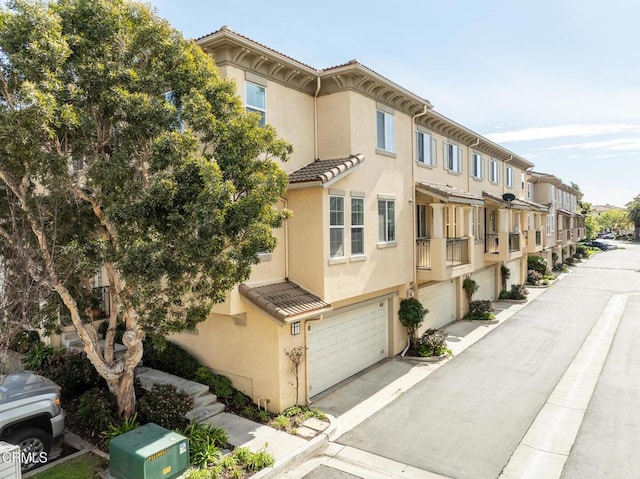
(344,344)
(514,273)
(486,280)
(440,300)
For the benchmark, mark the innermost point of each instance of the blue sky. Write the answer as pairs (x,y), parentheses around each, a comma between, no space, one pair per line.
(555,81)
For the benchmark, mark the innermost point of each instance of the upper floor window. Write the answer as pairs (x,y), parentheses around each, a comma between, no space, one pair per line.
(256,100)
(171,98)
(357,226)
(529,191)
(425,148)
(522,180)
(385,131)
(336,226)
(508,179)
(550,224)
(494,172)
(477,166)
(386,221)
(452,157)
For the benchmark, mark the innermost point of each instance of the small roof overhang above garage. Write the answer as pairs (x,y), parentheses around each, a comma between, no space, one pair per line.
(285,301)
(536,206)
(324,172)
(566,212)
(448,193)
(498,201)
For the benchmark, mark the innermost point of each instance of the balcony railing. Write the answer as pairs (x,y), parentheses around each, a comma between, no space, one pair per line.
(457,252)
(538,238)
(491,243)
(514,242)
(423,253)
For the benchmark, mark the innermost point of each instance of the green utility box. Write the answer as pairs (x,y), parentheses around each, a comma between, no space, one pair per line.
(148,452)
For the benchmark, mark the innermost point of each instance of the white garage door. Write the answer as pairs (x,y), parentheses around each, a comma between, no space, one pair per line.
(345,344)
(514,276)
(486,282)
(440,300)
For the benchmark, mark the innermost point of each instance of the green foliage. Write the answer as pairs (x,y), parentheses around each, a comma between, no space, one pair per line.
(591,226)
(165,405)
(178,194)
(411,315)
(281,422)
(433,342)
(171,358)
(505,274)
(481,309)
(534,277)
(538,264)
(219,385)
(518,292)
(95,411)
(38,356)
(470,287)
(115,430)
(205,442)
(613,220)
(253,461)
(120,329)
(73,372)
(24,341)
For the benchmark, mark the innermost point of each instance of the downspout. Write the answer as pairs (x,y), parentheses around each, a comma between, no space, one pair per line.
(413,189)
(315,120)
(286,242)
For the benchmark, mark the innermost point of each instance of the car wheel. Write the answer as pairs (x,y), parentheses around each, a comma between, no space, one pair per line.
(35,445)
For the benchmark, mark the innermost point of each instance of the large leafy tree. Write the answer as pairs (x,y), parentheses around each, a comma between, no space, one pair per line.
(613,220)
(122,147)
(633,209)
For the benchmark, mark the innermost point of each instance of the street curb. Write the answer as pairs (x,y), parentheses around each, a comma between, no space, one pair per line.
(298,454)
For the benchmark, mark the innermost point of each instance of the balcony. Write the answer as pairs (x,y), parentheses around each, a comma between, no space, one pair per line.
(423,253)
(533,241)
(500,247)
(439,259)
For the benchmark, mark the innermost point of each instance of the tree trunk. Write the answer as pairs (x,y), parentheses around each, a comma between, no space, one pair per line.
(125,394)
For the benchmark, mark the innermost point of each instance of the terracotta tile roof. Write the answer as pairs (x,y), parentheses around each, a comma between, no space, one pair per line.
(284,301)
(323,171)
(449,193)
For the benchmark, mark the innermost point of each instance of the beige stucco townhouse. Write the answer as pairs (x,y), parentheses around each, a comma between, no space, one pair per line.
(390,199)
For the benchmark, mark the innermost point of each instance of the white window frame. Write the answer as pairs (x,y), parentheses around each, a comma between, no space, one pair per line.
(335,225)
(261,110)
(529,190)
(477,166)
(494,171)
(386,221)
(357,226)
(385,131)
(426,148)
(508,176)
(453,157)
(550,223)
(523,180)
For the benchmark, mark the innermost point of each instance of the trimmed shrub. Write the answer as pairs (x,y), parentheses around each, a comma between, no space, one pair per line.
(96,411)
(411,315)
(538,264)
(534,277)
(219,385)
(73,372)
(481,309)
(518,291)
(165,405)
(433,342)
(171,359)
(38,356)
(24,341)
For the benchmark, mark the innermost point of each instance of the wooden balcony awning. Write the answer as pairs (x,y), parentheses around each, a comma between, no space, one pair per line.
(448,193)
(285,301)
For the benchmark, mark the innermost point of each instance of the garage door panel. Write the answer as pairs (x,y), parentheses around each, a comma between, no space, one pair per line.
(345,344)
(440,300)
(486,283)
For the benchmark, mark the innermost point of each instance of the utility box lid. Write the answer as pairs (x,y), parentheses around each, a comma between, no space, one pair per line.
(148,452)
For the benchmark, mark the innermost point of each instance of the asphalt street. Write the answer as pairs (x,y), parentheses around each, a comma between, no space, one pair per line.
(466,419)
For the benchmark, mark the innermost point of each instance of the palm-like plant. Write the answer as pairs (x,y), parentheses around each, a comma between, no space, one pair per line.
(633,210)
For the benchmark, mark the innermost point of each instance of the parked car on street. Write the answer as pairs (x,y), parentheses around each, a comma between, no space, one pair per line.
(608,236)
(30,416)
(603,245)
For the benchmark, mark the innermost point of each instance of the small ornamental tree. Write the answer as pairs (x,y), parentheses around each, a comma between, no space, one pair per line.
(470,287)
(411,315)
(122,147)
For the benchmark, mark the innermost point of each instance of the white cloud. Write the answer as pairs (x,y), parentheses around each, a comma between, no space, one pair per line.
(616,144)
(561,131)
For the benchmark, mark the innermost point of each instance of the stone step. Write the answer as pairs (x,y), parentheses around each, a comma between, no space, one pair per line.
(148,377)
(205,411)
